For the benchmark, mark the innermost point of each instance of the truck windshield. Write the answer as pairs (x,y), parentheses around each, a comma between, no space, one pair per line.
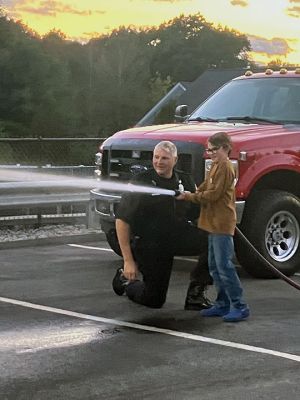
(263,100)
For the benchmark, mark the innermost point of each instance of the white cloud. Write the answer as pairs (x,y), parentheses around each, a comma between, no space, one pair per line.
(272,47)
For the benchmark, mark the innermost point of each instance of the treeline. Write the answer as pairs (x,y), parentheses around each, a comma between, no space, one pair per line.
(53,87)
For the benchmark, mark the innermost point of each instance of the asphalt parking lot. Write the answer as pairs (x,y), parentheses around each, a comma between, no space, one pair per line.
(65,334)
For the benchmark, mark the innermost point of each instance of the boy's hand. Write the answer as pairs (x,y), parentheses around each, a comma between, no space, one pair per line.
(181,196)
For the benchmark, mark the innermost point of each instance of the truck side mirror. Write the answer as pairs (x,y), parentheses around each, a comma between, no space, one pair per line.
(181,113)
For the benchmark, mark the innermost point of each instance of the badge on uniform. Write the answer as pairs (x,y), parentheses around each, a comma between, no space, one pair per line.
(180,186)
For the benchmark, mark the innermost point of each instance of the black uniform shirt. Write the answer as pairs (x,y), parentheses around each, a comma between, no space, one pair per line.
(152,216)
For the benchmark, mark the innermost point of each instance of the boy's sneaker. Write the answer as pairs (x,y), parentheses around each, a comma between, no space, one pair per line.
(214,311)
(236,315)
(119,282)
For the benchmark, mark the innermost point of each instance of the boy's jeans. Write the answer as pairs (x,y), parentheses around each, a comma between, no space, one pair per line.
(222,270)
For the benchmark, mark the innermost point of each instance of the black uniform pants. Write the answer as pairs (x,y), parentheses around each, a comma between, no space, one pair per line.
(155,260)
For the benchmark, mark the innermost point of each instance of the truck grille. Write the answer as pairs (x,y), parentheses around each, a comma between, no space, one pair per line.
(117,162)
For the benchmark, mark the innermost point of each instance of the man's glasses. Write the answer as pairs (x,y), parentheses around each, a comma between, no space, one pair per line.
(212,150)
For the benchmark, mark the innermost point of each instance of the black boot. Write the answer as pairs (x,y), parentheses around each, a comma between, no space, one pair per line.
(195,297)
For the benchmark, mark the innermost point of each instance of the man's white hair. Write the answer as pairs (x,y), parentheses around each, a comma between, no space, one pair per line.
(168,146)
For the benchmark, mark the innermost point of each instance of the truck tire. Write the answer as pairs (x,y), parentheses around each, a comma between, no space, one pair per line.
(272,224)
(112,239)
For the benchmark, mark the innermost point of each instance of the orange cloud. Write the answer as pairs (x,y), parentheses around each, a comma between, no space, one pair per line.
(51,8)
(294,11)
(169,1)
(241,3)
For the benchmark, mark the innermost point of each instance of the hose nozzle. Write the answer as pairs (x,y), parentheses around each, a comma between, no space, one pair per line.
(177,192)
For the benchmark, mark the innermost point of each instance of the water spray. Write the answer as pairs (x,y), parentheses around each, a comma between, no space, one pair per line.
(24,180)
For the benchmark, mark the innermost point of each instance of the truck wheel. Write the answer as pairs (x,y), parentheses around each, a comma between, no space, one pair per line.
(112,239)
(272,224)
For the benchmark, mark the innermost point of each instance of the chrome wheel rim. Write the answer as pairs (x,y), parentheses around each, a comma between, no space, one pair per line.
(282,236)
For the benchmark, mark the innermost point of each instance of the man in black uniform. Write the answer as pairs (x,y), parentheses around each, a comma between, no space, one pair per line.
(152,229)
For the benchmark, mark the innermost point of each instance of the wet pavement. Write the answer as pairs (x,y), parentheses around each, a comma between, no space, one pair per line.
(65,335)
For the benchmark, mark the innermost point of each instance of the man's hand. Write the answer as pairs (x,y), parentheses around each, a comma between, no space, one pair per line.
(181,196)
(130,270)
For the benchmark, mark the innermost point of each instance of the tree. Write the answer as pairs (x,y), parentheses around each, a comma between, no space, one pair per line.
(120,78)
(18,58)
(186,46)
(52,86)
(279,63)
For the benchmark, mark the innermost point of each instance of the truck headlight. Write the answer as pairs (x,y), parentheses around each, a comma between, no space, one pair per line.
(235,164)
(98,159)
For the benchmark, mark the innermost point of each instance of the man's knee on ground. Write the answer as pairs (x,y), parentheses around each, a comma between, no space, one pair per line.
(154,300)
(139,294)
(154,304)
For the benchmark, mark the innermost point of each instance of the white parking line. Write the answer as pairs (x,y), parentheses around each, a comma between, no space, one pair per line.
(110,250)
(154,329)
(104,249)
(90,247)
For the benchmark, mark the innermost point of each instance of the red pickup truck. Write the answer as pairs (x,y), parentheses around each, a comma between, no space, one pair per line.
(261,113)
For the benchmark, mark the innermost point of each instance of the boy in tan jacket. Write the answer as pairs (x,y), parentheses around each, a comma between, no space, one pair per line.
(218,217)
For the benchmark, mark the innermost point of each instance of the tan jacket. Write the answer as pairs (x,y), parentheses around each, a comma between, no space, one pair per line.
(217,198)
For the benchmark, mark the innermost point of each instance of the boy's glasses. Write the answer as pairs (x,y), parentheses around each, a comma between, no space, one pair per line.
(212,150)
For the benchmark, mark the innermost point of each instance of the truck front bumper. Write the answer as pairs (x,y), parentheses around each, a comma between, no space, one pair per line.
(105,205)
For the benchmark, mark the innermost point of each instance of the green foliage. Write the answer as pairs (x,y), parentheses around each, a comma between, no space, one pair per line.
(51,86)
(159,87)
(279,63)
(166,114)
(186,46)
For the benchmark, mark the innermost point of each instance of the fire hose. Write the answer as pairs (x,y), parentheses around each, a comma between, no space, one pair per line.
(271,267)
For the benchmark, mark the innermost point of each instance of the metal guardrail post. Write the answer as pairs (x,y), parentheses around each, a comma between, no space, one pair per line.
(39,220)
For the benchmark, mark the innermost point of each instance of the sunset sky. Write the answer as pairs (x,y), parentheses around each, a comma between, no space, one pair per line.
(273,26)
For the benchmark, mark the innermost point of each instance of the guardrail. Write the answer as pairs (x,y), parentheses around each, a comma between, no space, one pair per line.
(67,170)
(73,157)
(42,202)
(43,208)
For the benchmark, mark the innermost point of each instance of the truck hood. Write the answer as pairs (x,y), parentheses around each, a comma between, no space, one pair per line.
(201,131)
